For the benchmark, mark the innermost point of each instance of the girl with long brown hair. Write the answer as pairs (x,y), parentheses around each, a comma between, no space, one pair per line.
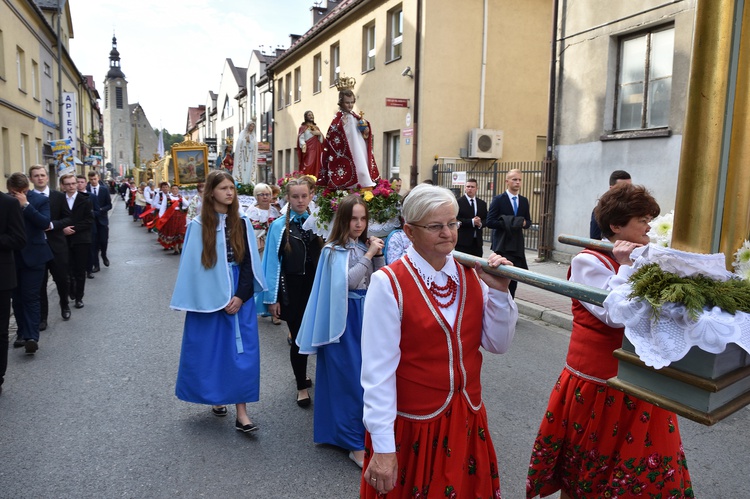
(217,278)
(332,327)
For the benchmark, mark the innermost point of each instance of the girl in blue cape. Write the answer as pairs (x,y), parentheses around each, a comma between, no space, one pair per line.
(332,327)
(289,260)
(216,280)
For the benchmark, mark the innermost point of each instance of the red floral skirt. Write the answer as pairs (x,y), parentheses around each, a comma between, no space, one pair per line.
(598,442)
(450,456)
(172,232)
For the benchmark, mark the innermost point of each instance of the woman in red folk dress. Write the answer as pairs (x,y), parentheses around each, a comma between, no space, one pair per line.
(595,441)
(172,220)
(426,422)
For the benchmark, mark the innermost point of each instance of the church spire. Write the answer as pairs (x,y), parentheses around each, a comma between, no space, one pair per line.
(114,61)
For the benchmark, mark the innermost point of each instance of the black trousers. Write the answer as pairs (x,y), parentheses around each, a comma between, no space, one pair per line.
(519,262)
(99,240)
(79,257)
(299,288)
(473,249)
(4,323)
(59,271)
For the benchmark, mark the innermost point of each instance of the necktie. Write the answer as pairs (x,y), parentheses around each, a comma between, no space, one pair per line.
(515,205)
(473,208)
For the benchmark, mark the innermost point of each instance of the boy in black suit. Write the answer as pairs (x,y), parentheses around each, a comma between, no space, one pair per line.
(12,239)
(77,209)
(101,204)
(472,213)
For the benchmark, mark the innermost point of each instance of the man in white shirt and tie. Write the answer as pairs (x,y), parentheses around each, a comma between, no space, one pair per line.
(472,213)
(101,204)
(58,266)
(509,214)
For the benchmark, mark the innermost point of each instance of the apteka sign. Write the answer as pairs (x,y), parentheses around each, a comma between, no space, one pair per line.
(69,120)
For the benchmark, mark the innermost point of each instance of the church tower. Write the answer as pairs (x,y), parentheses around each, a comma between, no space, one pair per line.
(118,140)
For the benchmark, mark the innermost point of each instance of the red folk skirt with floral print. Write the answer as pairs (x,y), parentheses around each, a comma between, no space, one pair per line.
(452,452)
(598,442)
(172,233)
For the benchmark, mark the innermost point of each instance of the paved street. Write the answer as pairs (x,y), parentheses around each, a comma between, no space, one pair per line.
(93,413)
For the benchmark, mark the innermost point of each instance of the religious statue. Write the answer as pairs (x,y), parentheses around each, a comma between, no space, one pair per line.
(246,155)
(348,160)
(310,146)
(227,161)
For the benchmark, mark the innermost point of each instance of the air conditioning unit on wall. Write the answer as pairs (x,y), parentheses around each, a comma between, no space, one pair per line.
(485,143)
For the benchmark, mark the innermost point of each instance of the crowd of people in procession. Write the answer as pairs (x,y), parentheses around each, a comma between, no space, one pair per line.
(396,323)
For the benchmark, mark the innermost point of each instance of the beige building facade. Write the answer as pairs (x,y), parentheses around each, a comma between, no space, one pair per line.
(29,90)
(424,80)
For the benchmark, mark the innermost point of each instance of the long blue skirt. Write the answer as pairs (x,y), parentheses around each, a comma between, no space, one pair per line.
(216,366)
(338,391)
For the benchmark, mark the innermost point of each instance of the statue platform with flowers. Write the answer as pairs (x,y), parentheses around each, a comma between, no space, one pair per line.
(383,206)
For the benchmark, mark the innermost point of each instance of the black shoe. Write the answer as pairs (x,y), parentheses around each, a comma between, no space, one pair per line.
(79,304)
(42,325)
(305,402)
(105,261)
(19,342)
(31,347)
(308,383)
(219,410)
(89,275)
(95,270)
(65,312)
(244,428)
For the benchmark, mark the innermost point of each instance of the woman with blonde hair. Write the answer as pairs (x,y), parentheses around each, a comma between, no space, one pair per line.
(289,263)
(218,275)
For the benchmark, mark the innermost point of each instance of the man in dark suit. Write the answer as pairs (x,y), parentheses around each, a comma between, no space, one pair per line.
(12,239)
(77,208)
(58,266)
(472,213)
(101,203)
(509,214)
(31,261)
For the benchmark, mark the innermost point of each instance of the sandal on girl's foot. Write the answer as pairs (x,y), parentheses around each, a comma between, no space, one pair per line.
(245,428)
(275,321)
(304,402)
(219,410)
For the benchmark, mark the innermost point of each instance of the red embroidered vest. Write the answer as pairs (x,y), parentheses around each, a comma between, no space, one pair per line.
(592,341)
(438,360)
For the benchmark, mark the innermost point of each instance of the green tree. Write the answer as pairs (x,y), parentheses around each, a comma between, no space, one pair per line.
(169,138)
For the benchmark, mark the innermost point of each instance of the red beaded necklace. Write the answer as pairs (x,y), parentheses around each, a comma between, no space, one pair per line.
(449,291)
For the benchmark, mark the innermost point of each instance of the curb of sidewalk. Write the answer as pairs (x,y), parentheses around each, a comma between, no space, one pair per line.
(537,312)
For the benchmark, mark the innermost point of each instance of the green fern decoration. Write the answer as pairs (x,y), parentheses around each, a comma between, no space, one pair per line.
(658,287)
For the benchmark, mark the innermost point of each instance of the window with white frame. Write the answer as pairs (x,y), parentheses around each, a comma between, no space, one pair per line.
(644,83)
(288,82)
(21,68)
(252,95)
(25,159)
(317,73)
(368,47)
(2,56)
(34,79)
(48,105)
(297,84)
(227,111)
(47,70)
(395,32)
(335,62)
(280,94)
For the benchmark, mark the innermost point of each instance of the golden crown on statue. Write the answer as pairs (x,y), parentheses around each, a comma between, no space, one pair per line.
(345,83)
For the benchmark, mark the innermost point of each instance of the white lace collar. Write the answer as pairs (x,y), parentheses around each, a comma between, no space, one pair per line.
(427,272)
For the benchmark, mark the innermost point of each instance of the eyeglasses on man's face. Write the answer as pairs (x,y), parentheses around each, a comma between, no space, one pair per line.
(435,228)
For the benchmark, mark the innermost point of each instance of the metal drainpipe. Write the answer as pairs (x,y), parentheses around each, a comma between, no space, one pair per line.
(550,170)
(417,72)
(272,84)
(59,67)
(483,77)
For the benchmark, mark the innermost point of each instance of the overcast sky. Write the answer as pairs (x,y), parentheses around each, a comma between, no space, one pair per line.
(172,52)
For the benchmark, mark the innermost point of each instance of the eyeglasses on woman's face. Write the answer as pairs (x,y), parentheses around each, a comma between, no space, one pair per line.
(436,228)
(263,195)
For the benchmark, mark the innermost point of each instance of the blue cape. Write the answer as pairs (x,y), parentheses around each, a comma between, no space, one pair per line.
(325,315)
(198,289)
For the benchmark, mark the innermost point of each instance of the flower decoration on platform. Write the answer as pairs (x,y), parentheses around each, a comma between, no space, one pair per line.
(383,203)
(661,230)
(741,262)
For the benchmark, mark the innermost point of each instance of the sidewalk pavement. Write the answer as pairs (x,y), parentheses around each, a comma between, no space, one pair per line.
(540,304)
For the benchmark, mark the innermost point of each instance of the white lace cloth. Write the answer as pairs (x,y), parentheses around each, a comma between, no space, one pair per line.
(323,229)
(666,339)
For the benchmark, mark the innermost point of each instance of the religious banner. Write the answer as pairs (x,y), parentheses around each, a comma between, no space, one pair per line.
(63,153)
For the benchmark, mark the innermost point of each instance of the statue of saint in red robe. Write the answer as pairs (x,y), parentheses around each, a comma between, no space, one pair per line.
(310,146)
